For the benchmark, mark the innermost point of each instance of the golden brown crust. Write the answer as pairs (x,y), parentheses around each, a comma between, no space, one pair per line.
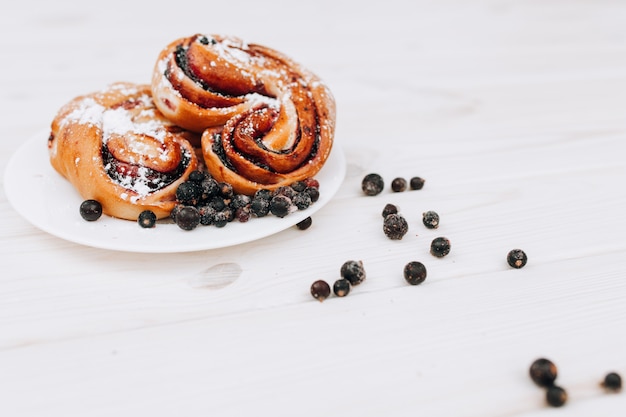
(114,146)
(267,121)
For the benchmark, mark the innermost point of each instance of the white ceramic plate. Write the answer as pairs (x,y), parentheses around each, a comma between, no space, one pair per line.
(51,203)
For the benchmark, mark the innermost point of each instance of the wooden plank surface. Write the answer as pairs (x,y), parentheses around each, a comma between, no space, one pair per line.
(513,111)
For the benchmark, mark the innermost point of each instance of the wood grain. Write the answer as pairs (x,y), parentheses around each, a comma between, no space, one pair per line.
(513,112)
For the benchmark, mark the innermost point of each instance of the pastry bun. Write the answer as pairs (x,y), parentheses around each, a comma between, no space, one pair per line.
(115,147)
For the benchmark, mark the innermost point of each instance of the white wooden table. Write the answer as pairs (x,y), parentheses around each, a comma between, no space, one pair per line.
(513,111)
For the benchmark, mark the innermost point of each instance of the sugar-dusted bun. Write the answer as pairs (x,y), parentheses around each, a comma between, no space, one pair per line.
(266,120)
(115,147)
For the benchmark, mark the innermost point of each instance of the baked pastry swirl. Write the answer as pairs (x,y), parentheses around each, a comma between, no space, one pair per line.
(115,147)
(266,120)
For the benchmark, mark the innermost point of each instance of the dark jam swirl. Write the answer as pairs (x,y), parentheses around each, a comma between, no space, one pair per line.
(141,179)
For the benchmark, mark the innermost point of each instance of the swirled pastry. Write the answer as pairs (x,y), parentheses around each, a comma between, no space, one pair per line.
(115,147)
(266,120)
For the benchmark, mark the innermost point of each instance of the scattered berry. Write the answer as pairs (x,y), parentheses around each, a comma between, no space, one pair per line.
(414,273)
(188,218)
(390,209)
(280,205)
(286,191)
(372,184)
(516,258)
(612,382)
(353,271)
(312,182)
(543,372)
(239,201)
(147,219)
(90,210)
(416,183)
(209,189)
(341,287)
(556,396)
(430,219)
(305,224)
(398,185)
(395,226)
(320,290)
(263,194)
(440,247)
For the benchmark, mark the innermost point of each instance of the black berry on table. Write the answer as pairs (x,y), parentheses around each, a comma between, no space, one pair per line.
(556,396)
(353,271)
(543,372)
(516,258)
(372,184)
(414,273)
(147,219)
(440,247)
(320,290)
(341,287)
(188,218)
(390,209)
(416,183)
(305,224)
(395,226)
(398,185)
(430,219)
(90,210)
(612,382)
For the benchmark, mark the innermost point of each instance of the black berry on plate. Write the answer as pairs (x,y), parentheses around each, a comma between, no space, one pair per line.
(226,190)
(302,200)
(260,206)
(188,218)
(222,218)
(414,272)
(341,287)
(299,186)
(280,205)
(398,185)
(353,271)
(147,219)
(372,184)
(305,224)
(416,183)
(320,290)
(197,176)
(516,258)
(430,219)
(90,210)
(440,247)
(242,214)
(313,192)
(612,382)
(209,189)
(390,209)
(395,226)
(188,193)
(556,396)
(207,215)
(240,200)
(543,372)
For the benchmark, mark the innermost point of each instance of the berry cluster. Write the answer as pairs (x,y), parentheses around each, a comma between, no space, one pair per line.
(373,184)
(351,273)
(543,372)
(201,200)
